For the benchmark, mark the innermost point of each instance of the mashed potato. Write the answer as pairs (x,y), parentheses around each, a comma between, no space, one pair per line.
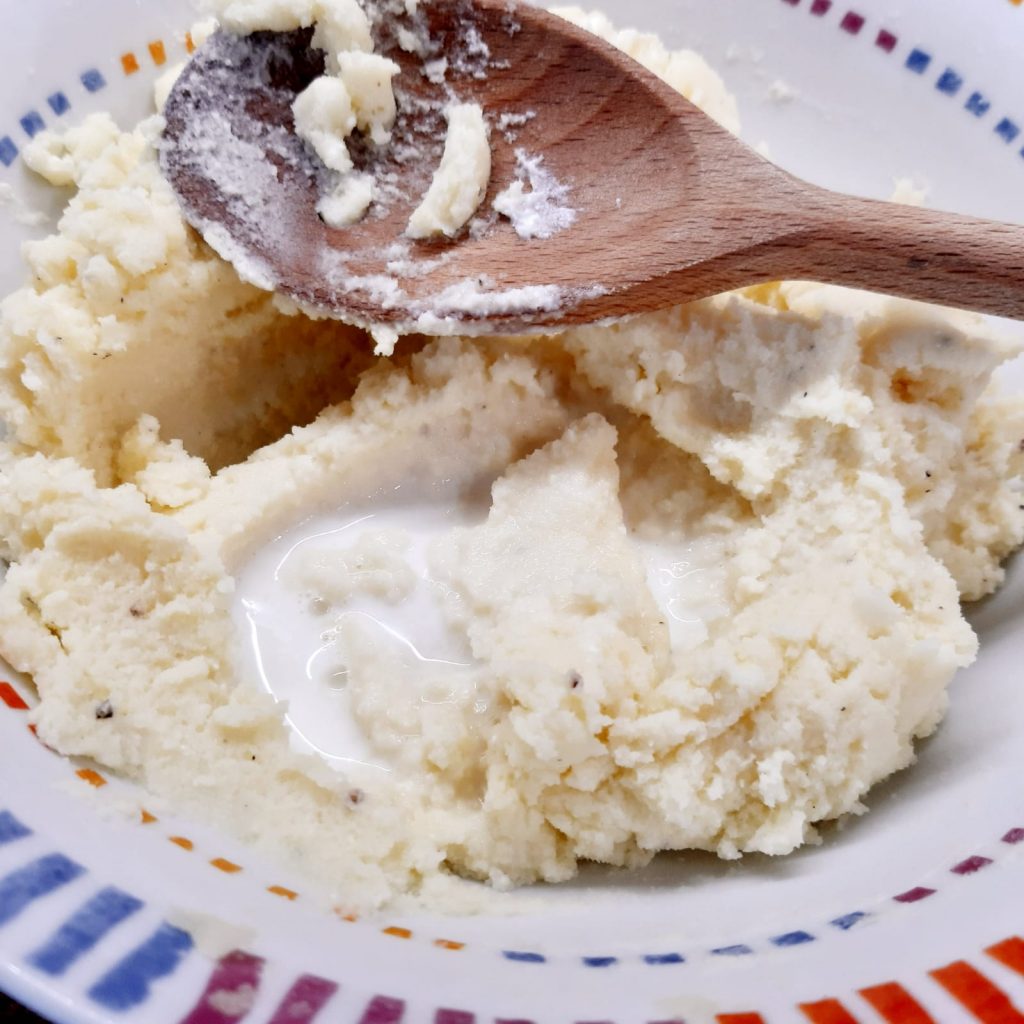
(839,465)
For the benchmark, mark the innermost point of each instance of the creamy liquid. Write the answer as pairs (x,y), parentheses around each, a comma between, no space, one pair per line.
(294,650)
(685,583)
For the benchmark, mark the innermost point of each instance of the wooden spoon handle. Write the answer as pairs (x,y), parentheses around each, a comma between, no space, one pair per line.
(944,258)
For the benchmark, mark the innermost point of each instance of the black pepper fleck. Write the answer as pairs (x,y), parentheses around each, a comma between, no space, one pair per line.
(575,680)
(355,797)
(104,710)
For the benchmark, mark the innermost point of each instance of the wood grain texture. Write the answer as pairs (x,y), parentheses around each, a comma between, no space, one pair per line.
(671,207)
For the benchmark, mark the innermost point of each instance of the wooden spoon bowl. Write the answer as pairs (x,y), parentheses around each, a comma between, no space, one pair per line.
(669,206)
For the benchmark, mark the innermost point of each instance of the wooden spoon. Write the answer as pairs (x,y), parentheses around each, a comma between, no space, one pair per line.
(669,206)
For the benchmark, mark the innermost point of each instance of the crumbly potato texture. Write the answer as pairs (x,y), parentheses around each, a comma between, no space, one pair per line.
(842,465)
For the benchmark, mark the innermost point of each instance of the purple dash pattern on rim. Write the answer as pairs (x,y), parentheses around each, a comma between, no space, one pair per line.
(128,983)
(234,981)
(235,978)
(919,61)
(949,81)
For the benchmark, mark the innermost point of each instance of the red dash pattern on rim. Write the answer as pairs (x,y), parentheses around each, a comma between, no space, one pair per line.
(235,979)
(851,22)
(13,699)
(594,959)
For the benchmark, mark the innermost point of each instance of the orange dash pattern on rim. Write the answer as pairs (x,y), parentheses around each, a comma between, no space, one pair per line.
(969,986)
(93,778)
(280,890)
(229,867)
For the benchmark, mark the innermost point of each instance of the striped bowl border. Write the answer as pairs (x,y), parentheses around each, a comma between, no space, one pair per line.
(235,978)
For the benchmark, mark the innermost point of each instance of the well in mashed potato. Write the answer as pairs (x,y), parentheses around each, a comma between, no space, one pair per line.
(839,465)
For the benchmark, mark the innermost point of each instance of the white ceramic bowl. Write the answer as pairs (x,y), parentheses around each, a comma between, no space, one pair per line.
(909,914)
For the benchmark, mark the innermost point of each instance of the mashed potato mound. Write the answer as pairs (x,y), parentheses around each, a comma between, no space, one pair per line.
(841,462)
